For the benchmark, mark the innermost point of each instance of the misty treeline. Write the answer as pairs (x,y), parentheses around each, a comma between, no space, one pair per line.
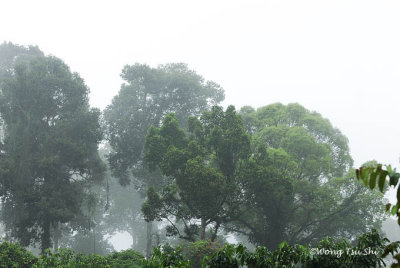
(164,163)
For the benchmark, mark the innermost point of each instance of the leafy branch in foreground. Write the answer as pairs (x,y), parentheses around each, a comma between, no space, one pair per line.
(371,176)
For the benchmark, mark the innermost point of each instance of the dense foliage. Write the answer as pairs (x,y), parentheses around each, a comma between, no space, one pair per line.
(146,96)
(376,175)
(373,175)
(297,182)
(200,169)
(260,176)
(293,182)
(329,252)
(49,149)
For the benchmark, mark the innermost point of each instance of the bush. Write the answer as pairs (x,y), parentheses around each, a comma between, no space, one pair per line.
(167,257)
(368,252)
(13,255)
(125,259)
(196,251)
(66,258)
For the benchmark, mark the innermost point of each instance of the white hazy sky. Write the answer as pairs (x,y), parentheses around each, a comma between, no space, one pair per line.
(340,58)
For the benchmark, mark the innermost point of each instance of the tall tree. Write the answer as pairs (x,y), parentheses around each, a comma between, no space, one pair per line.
(49,152)
(200,169)
(297,181)
(146,96)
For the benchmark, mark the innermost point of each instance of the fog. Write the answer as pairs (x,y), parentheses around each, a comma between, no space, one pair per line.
(338,58)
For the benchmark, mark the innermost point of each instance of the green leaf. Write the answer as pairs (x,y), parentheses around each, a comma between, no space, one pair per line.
(283,244)
(378,167)
(358,176)
(389,169)
(372,180)
(364,175)
(394,210)
(382,178)
(394,179)
(388,205)
(398,194)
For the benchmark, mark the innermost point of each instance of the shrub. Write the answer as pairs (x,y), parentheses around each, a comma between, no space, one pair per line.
(125,259)
(66,258)
(196,251)
(13,255)
(368,252)
(169,257)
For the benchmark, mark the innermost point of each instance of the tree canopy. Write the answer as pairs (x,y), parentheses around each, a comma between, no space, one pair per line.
(49,151)
(147,95)
(297,181)
(272,174)
(200,167)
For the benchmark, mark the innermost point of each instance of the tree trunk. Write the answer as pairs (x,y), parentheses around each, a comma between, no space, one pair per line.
(203,229)
(55,246)
(56,235)
(149,239)
(94,241)
(45,237)
(214,235)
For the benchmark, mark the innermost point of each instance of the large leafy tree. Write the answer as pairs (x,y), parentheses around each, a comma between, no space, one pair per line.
(297,181)
(146,96)
(200,165)
(49,151)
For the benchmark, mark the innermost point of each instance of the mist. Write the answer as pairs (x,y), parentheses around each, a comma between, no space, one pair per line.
(129,131)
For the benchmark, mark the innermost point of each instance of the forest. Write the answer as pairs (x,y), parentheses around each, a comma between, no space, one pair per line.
(190,182)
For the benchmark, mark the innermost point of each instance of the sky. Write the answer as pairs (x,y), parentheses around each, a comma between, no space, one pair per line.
(339,58)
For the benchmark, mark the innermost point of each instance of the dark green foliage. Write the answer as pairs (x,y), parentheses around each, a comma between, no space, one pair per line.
(371,175)
(200,168)
(367,252)
(12,255)
(375,175)
(196,251)
(147,95)
(297,182)
(145,98)
(125,259)
(332,253)
(167,257)
(49,151)
(67,258)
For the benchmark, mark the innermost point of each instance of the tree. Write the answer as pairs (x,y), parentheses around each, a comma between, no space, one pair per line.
(49,152)
(297,182)
(143,101)
(147,95)
(200,167)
